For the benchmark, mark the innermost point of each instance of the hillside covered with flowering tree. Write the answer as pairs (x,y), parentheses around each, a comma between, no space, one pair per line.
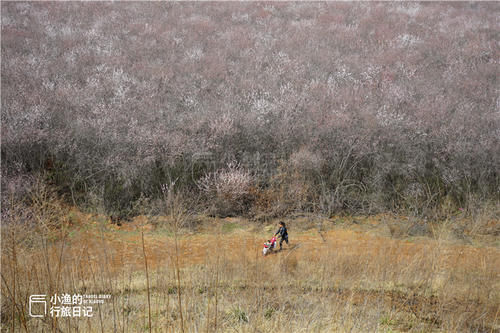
(251,108)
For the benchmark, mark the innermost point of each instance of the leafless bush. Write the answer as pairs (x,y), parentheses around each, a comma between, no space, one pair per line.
(230,187)
(305,161)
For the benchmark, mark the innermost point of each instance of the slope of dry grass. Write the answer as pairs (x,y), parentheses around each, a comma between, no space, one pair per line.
(351,277)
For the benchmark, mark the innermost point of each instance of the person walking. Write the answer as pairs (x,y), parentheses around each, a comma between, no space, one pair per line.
(283,233)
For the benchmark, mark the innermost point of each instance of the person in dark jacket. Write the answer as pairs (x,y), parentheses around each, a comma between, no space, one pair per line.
(283,233)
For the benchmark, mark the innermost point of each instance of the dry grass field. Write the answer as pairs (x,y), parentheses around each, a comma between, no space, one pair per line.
(337,275)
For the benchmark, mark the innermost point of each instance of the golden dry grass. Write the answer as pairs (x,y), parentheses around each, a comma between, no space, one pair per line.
(343,280)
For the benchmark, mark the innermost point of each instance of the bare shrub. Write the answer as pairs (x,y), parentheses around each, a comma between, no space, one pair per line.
(306,161)
(229,187)
(290,190)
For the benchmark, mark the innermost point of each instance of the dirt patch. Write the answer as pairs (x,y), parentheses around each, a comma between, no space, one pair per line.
(123,246)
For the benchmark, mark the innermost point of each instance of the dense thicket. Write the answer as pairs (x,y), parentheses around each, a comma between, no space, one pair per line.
(273,107)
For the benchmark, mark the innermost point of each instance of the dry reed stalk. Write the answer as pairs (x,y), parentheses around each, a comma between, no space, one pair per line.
(178,276)
(128,296)
(166,292)
(11,297)
(95,284)
(22,315)
(147,281)
(217,265)
(13,282)
(60,263)
(110,281)
(53,321)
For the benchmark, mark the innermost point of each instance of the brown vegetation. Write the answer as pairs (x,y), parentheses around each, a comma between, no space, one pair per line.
(352,277)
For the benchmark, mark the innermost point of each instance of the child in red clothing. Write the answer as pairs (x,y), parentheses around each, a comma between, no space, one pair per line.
(269,246)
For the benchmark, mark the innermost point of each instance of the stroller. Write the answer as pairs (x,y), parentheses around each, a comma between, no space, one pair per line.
(269,246)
